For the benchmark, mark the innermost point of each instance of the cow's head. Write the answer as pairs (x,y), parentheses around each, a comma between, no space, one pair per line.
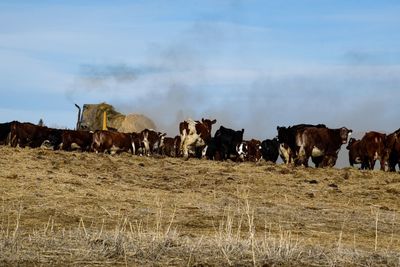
(208,123)
(282,134)
(351,142)
(238,137)
(242,150)
(344,134)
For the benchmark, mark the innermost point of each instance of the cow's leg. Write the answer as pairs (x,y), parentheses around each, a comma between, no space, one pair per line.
(133,148)
(302,157)
(318,161)
(383,163)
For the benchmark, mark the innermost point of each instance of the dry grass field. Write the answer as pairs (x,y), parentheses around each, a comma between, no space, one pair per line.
(85,209)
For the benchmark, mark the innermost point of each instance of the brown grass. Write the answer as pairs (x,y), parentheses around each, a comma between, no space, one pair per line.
(74,208)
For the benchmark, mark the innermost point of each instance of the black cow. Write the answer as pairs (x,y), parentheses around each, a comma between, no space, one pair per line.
(211,150)
(270,149)
(5,129)
(227,142)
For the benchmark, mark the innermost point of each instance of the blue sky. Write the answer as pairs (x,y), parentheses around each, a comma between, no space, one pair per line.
(249,64)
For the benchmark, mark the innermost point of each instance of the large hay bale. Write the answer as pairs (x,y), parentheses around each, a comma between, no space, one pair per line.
(136,123)
(92,119)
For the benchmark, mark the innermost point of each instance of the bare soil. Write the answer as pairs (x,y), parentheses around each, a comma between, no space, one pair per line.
(73,208)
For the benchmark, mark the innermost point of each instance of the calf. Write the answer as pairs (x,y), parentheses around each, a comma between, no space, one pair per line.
(270,150)
(250,150)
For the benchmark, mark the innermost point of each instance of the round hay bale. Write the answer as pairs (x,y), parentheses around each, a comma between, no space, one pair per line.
(136,123)
(92,116)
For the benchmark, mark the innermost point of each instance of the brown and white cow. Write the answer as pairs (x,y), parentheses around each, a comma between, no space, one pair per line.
(72,138)
(287,139)
(195,136)
(112,142)
(321,143)
(250,150)
(152,141)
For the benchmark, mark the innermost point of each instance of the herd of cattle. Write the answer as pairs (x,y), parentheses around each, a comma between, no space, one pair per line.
(295,144)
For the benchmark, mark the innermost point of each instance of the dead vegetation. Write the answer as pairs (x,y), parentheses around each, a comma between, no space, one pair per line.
(87,209)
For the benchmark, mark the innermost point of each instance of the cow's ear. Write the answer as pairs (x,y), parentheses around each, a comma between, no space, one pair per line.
(202,120)
(213,121)
(242,130)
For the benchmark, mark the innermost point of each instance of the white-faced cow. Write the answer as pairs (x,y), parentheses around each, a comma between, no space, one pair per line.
(194,136)
(321,143)
(250,150)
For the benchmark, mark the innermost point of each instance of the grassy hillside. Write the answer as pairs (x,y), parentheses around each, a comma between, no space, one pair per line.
(94,209)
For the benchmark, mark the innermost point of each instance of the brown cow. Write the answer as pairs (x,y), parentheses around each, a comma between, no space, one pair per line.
(321,143)
(373,148)
(112,142)
(287,140)
(393,145)
(355,152)
(194,136)
(83,139)
(28,134)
